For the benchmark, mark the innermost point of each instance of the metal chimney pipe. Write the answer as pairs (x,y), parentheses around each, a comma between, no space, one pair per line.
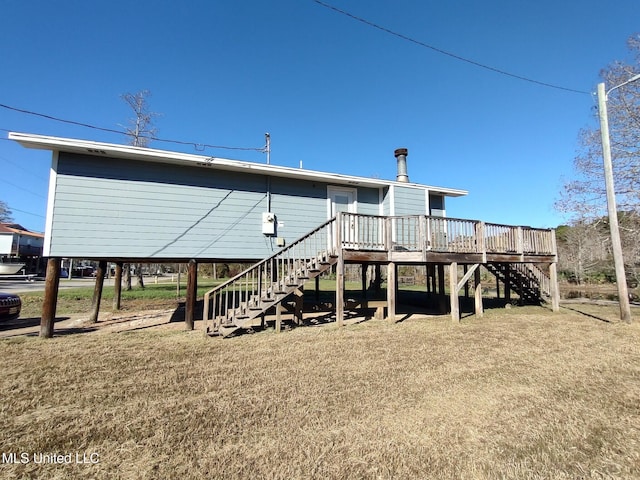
(401,156)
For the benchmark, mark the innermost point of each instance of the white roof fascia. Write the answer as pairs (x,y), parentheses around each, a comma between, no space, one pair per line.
(70,145)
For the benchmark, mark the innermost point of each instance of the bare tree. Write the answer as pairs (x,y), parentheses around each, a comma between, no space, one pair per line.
(585,196)
(629,232)
(6,215)
(583,249)
(140,132)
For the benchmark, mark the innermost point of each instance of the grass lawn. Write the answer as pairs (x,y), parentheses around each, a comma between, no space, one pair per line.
(521,394)
(160,295)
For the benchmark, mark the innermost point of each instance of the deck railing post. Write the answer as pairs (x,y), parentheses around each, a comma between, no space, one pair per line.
(388,236)
(422,241)
(519,240)
(480,240)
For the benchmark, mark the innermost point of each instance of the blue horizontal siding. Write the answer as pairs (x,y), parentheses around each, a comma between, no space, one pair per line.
(299,206)
(410,201)
(108,207)
(368,201)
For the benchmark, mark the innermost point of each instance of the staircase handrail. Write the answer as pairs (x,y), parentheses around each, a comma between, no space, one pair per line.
(259,264)
(268,259)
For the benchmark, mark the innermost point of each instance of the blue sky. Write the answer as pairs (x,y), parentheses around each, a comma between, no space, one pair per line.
(334,93)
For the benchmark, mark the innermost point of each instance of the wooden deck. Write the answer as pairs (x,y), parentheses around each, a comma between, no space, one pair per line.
(519,256)
(425,239)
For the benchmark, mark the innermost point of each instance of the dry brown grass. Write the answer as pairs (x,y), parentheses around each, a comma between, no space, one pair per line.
(519,394)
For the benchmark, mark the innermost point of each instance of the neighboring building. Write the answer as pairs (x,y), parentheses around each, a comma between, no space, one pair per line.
(17,244)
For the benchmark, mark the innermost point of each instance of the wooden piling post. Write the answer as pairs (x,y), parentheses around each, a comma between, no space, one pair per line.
(192,292)
(555,291)
(279,309)
(364,269)
(97,291)
(478,293)
(298,294)
(339,272)
(340,289)
(378,279)
(442,300)
(391,291)
(507,282)
(453,291)
(430,278)
(117,287)
(465,268)
(50,297)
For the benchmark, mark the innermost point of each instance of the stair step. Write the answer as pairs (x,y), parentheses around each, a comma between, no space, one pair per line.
(226,331)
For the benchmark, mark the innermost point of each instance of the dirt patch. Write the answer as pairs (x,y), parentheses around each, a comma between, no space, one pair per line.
(109,322)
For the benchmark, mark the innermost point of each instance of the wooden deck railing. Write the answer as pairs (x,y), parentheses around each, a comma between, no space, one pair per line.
(416,233)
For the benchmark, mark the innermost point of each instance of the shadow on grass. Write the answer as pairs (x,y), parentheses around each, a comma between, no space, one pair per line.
(587,314)
(19,325)
(179,313)
(320,309)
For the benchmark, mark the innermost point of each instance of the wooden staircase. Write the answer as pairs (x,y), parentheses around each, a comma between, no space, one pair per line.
(237,303)
(529,281)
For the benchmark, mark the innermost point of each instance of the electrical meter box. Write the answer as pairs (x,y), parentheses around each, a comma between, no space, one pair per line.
(268,223)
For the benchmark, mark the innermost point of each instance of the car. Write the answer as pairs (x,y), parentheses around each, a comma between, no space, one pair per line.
(10,306)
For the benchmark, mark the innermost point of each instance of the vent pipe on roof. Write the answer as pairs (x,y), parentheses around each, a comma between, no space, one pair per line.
(401,156)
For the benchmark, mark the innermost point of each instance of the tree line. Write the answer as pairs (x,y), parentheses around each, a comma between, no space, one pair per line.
(585,254)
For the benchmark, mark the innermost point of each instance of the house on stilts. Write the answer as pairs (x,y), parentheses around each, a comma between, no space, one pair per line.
(125,204)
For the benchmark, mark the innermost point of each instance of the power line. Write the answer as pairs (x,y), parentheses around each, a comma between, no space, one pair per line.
(28,213)
(195,145)
(20,166)
(444,52)
(50,117)
(22,188)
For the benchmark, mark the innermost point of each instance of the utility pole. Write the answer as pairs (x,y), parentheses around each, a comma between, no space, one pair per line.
(616,244)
